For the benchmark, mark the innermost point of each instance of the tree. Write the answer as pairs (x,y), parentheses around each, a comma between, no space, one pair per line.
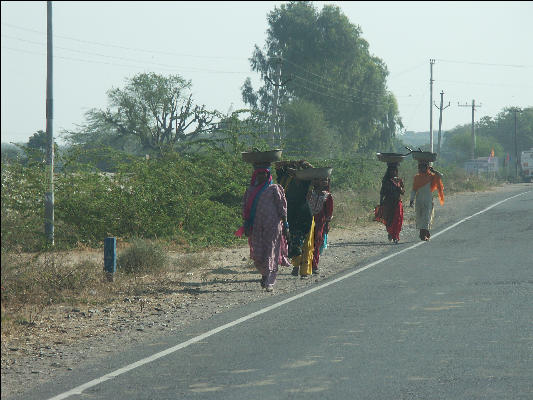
(306,131)
(38,141)
(156,111)
(11,153)
(324,60)
(36,148)
(502,128)
(458,145)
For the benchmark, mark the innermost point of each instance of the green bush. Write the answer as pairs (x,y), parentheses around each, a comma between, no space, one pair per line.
(193,200)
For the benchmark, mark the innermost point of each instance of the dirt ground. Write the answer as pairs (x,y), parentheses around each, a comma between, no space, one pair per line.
(64,338)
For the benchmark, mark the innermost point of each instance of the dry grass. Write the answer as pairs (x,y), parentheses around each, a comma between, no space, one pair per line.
(33,282)
(354,208)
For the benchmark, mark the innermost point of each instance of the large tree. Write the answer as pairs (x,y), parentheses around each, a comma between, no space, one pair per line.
(320,57)
(153,112)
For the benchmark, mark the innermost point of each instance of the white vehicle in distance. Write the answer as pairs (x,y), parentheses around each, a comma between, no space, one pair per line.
(526,165)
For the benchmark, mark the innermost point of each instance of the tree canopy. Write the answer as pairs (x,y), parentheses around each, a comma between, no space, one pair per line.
(152,113)
(321,57)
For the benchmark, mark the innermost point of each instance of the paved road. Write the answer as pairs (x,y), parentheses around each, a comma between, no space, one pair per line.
(448,319)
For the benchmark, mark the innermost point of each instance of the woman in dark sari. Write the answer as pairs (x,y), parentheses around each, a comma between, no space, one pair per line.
(299,216)
(390,199)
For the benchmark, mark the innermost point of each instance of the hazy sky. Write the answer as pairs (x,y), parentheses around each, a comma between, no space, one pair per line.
(483,51)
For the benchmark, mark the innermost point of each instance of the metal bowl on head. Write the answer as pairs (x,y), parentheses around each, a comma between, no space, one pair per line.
(390,157)
(256,157)
(424,156)
(309,174)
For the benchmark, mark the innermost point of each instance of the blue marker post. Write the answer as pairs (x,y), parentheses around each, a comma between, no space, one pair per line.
(110,257)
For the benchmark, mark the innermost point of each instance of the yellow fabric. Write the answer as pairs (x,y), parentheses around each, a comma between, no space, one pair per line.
(305,260)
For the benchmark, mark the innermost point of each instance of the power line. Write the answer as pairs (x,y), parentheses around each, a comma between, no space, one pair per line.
(123,47)
(122,58)
(487,64)
(352,100)
(483,83)
(164,66)
(408,70)
(366,93)
(327,80)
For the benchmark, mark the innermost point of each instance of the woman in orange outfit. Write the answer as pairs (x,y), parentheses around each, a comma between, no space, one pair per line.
(424,184)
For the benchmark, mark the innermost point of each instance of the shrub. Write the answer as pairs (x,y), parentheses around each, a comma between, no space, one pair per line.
(142,256)
(45,278)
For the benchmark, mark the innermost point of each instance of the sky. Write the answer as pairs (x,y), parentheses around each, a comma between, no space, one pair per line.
(482,52)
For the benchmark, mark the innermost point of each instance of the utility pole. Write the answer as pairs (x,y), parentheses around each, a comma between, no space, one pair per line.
(49,195)
(515,144)
(431,62)
(473,151)
(440,116)
(276,107)
(276,126)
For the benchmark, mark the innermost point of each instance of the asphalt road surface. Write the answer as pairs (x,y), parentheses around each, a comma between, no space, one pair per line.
(448,319)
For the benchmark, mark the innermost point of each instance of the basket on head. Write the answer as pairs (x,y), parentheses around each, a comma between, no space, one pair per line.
(424,156)
(313,173)
(260,157)
(390,157)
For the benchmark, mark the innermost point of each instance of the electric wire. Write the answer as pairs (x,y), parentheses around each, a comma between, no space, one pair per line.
(124,58)
(486,64)
(121,47)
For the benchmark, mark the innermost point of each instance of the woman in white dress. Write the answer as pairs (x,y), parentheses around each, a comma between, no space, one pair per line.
(424,184)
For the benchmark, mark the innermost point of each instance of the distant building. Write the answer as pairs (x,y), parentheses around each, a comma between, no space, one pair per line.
(482,165)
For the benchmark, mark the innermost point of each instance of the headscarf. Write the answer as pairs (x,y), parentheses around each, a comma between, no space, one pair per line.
(248,212)
(391,167)
(317,198)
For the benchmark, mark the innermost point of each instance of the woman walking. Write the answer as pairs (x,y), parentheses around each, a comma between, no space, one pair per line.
(299,216)
(392,189)
(320,203)
(265,224)
(424,184)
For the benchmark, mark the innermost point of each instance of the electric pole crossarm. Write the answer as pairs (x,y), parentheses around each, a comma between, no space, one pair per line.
(474,105)
(440,117)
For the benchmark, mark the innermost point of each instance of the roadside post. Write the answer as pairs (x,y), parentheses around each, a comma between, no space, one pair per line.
(110,257)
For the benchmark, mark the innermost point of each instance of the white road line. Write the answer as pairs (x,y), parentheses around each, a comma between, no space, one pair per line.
(79,389)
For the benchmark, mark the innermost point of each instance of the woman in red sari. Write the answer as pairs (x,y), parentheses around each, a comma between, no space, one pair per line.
(390,199)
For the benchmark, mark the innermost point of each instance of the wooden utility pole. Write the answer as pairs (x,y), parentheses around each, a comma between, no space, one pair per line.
(440,116)
(431,62)
(473,150)
(49,195)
